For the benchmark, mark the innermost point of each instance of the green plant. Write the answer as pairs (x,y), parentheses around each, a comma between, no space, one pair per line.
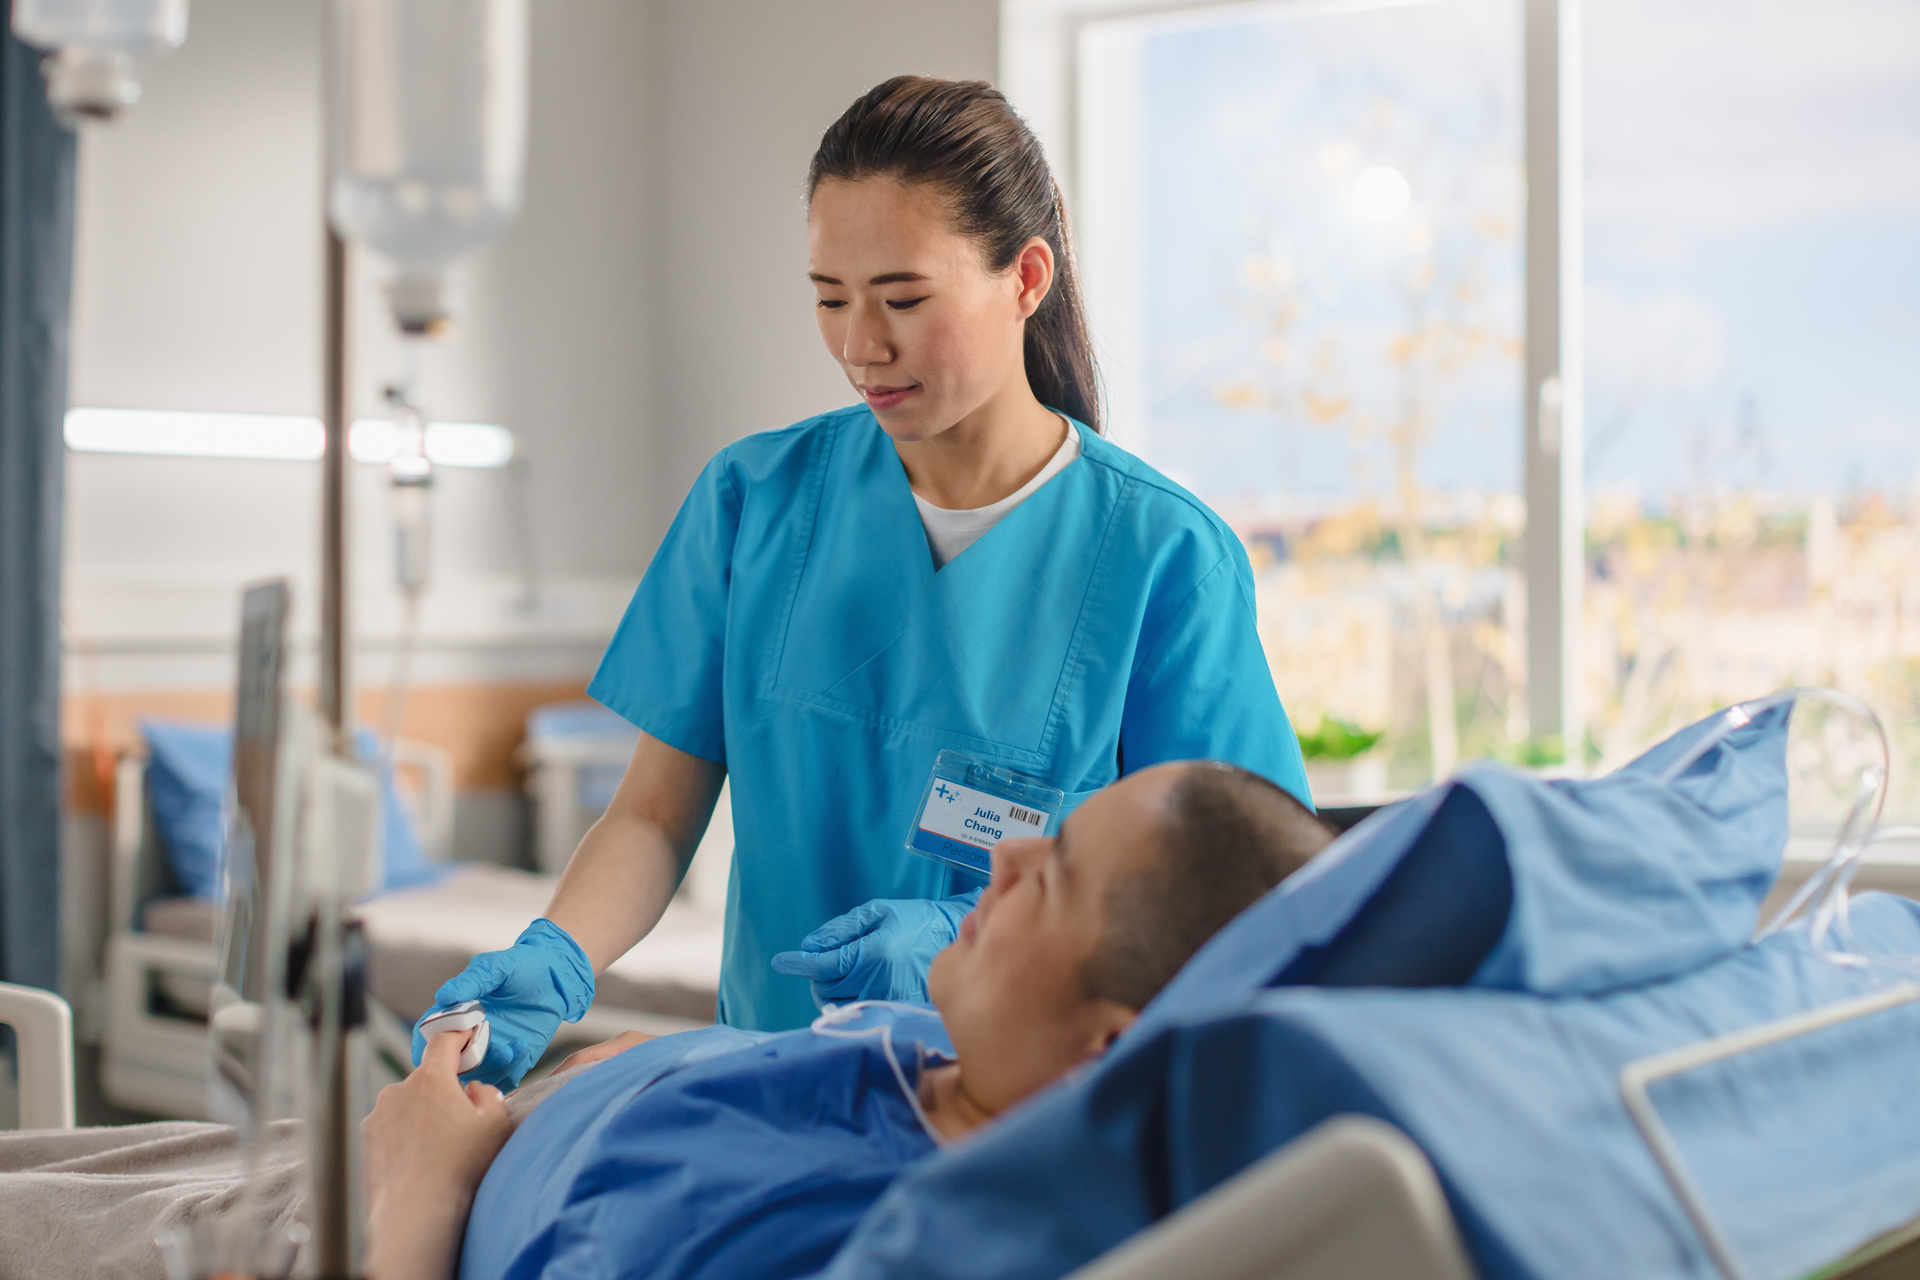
(1337,739)
(1536,753)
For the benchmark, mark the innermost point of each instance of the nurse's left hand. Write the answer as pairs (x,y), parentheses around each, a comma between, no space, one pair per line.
(880,950)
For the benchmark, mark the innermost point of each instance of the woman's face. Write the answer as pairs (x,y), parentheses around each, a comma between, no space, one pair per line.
(924,332)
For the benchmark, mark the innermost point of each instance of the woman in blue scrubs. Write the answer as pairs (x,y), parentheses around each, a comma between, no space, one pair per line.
(958,562)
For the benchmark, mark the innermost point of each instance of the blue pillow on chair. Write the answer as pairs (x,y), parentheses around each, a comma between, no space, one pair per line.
(188,769)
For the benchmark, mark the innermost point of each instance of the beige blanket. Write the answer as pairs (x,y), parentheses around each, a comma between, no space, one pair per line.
(76,1204)
(89,1202)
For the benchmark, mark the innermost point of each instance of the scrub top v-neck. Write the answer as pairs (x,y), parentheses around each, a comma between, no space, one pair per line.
(949,531)
(793,628)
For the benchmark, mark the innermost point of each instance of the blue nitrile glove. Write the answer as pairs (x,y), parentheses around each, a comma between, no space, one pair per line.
(880,950)
(528,990)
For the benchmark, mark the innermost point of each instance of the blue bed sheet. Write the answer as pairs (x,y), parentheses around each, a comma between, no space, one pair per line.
(1515,1099)
(1476,968)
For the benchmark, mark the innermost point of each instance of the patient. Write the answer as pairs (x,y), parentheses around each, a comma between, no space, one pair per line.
(724,1152)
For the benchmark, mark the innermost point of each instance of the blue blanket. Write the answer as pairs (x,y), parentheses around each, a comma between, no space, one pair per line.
(716,1152)
(1476,968)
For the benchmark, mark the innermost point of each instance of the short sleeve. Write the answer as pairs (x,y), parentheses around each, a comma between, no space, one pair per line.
(1201,688)
(663,670)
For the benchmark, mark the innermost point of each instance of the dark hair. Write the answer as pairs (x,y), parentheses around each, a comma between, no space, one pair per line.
(1229,836)
(965,139)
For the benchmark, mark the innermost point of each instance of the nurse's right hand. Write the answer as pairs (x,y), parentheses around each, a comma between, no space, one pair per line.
(528,990)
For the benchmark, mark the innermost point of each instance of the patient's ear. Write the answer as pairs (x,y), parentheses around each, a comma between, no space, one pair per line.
(1108,1019)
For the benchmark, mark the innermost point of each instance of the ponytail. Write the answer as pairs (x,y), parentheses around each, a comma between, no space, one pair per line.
(964,138)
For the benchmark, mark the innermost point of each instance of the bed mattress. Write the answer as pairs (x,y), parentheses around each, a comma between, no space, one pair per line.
(418,938)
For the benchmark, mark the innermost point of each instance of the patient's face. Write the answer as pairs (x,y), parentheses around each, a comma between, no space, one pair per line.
(1010,986)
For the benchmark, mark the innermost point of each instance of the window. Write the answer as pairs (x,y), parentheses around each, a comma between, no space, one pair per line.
(1305,228)
(1753,360)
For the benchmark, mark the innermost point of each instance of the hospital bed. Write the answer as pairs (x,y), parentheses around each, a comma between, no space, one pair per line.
(1356,1196)
(159,961)
(1352,1199)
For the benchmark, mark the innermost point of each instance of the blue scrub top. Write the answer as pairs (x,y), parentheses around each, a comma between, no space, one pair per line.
(792,627)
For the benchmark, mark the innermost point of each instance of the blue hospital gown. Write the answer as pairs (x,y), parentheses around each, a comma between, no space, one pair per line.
(713,1153)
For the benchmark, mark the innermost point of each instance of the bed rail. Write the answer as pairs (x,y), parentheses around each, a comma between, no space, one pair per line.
(1353,1196)
(43,1037)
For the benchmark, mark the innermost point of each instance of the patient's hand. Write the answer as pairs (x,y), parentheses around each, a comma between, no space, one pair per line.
(428,1144)
(604,1050)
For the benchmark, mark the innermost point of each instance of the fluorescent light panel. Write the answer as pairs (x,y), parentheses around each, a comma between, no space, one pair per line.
(281,437)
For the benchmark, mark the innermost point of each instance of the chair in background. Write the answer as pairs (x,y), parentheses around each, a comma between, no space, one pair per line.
(575,755)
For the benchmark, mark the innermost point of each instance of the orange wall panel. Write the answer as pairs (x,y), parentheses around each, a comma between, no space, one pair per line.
(481,726)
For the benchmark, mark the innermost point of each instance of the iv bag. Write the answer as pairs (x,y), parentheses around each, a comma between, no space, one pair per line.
(429,136)
(93,48)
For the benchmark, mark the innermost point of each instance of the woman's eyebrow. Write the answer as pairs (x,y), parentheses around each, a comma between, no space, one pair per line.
(891,277)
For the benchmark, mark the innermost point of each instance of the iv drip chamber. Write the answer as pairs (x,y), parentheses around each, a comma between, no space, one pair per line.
(429,136)
(410,476)
(94,49)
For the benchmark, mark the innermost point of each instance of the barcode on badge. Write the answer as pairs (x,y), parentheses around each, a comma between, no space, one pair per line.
(1028,816)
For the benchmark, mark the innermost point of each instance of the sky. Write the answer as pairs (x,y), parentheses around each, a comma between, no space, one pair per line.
(1752,246)
(1256,134)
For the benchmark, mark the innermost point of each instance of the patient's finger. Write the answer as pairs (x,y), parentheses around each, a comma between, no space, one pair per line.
(604,1050)
(443,1052)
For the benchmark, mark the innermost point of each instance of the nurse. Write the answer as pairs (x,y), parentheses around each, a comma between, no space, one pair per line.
(958,562)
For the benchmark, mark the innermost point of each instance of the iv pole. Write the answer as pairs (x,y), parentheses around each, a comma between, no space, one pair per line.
(333,1215)
(334,693)
(491,35)
(332,983)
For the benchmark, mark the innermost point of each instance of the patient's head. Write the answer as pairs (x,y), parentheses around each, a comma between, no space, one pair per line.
(1078,931)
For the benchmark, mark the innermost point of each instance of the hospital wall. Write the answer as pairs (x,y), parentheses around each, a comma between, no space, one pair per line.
(648,306)
(747,87)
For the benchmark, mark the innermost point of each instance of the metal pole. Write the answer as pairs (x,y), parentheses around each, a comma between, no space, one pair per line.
(335,683)
(331,1144)
(1556,520)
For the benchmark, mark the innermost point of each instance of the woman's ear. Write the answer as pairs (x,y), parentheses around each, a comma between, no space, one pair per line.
(1034,270)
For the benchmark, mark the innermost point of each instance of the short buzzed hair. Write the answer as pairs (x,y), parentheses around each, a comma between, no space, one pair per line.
(1228,837)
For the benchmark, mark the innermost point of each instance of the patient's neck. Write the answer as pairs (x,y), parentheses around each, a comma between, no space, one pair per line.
(950,1109)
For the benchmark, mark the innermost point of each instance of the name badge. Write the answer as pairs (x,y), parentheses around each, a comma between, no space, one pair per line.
(969,808)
